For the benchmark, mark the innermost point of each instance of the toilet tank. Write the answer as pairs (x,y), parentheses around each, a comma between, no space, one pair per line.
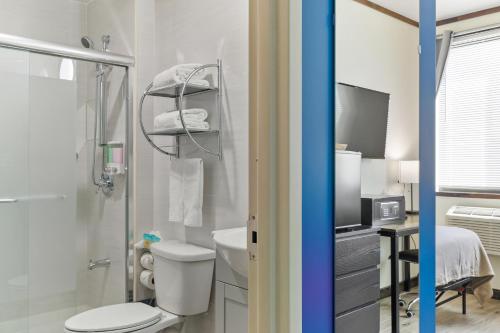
(183,277)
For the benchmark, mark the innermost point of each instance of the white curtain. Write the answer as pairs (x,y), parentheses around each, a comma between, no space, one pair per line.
(442,49)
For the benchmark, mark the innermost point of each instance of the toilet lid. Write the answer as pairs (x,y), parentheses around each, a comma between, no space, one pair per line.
(179,251)
(114,318)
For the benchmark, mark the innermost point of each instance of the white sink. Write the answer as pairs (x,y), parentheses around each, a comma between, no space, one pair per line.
(232,245)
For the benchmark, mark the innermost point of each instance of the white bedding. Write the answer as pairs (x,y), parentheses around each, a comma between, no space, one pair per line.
(460,254)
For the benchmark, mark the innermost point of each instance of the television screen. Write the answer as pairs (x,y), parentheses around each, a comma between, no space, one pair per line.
(361,119)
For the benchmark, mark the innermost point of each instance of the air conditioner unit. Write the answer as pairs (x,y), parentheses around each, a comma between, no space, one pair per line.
(485,222)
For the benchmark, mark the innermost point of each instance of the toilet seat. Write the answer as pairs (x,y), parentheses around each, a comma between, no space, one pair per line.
(119,318)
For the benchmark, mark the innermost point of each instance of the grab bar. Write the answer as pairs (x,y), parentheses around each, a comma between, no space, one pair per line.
(33,198)
(7,200)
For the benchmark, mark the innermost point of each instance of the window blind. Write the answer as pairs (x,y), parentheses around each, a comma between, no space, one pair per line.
(468,111)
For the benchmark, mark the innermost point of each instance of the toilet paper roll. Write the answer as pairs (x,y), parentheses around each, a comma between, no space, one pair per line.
(147,279)
(147,261)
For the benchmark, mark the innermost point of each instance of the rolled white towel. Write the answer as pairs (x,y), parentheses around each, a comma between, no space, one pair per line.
(190,126)
(193,118)
(147,261)
(179,74)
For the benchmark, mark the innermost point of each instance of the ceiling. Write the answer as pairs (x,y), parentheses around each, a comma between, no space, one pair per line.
(445,8)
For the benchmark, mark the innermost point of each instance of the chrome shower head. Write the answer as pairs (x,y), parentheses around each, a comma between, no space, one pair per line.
(87,42)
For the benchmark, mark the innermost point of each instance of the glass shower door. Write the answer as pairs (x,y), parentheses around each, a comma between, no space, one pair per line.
(52,197)
(53,218)
(14,166)
(38,284)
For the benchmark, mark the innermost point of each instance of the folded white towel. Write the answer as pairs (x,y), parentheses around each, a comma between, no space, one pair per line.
(186,191)
(193,119)
(176,191)
(178,74)
(193,192)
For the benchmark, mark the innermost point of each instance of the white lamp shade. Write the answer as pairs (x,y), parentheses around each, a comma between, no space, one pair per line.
(409,172)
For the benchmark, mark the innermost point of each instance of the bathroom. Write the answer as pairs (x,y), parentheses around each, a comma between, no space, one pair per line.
(81,183)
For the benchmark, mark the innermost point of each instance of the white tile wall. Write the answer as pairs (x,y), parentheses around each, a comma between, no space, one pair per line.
(105,217)
(59,21)
(194,31)
(203,31)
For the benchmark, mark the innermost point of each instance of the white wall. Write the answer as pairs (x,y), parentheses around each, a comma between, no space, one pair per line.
(378,52)
(224,35)
(193,31)
(58,21)
(445,203)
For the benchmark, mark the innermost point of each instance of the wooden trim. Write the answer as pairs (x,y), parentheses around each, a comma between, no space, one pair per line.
(468,16)
(408,20)
(269,165)
(261,76)
(475,195)
(388,12)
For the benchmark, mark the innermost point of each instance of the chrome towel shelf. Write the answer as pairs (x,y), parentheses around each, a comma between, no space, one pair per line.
(179,92)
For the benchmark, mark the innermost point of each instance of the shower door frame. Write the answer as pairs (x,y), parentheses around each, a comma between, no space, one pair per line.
(126,62)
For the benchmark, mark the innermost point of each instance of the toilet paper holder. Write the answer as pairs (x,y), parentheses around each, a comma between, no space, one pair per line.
(106,262)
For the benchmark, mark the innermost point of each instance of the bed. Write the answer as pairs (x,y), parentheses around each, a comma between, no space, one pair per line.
(462,265)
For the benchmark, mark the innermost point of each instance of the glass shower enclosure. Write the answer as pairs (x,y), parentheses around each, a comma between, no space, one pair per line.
(64,241)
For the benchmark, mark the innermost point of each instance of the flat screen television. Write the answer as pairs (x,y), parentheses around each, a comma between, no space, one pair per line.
(361,120)
(347,189)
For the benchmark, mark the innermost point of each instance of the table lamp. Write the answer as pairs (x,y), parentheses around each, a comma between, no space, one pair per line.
(409,174)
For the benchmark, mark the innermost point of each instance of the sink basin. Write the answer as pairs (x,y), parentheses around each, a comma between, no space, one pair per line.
(232,245)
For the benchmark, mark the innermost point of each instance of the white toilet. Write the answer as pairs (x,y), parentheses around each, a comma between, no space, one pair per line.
(183,281)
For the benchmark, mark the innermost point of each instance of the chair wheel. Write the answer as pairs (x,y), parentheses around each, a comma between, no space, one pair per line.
(410,314)
(402,303)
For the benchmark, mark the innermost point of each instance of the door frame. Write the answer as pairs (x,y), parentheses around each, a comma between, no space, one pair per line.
(269,269)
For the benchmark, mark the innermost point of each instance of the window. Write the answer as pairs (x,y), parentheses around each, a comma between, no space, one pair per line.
(468,111)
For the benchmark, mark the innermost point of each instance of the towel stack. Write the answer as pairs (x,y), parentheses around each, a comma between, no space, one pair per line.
(194,119)
(179,74)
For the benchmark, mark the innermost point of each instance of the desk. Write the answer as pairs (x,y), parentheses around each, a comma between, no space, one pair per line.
(394,232)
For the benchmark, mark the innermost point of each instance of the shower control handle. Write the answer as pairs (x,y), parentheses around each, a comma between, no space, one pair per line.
(99,263)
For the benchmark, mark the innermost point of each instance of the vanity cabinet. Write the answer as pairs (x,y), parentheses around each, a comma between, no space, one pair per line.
(357,281)
(231,299)
(231,306)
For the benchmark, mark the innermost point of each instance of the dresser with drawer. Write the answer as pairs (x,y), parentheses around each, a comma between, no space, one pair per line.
(357,281)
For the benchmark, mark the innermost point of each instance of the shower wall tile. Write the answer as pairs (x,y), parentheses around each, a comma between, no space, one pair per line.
(104,217)
(58,21)
(143,153)
(193,31)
